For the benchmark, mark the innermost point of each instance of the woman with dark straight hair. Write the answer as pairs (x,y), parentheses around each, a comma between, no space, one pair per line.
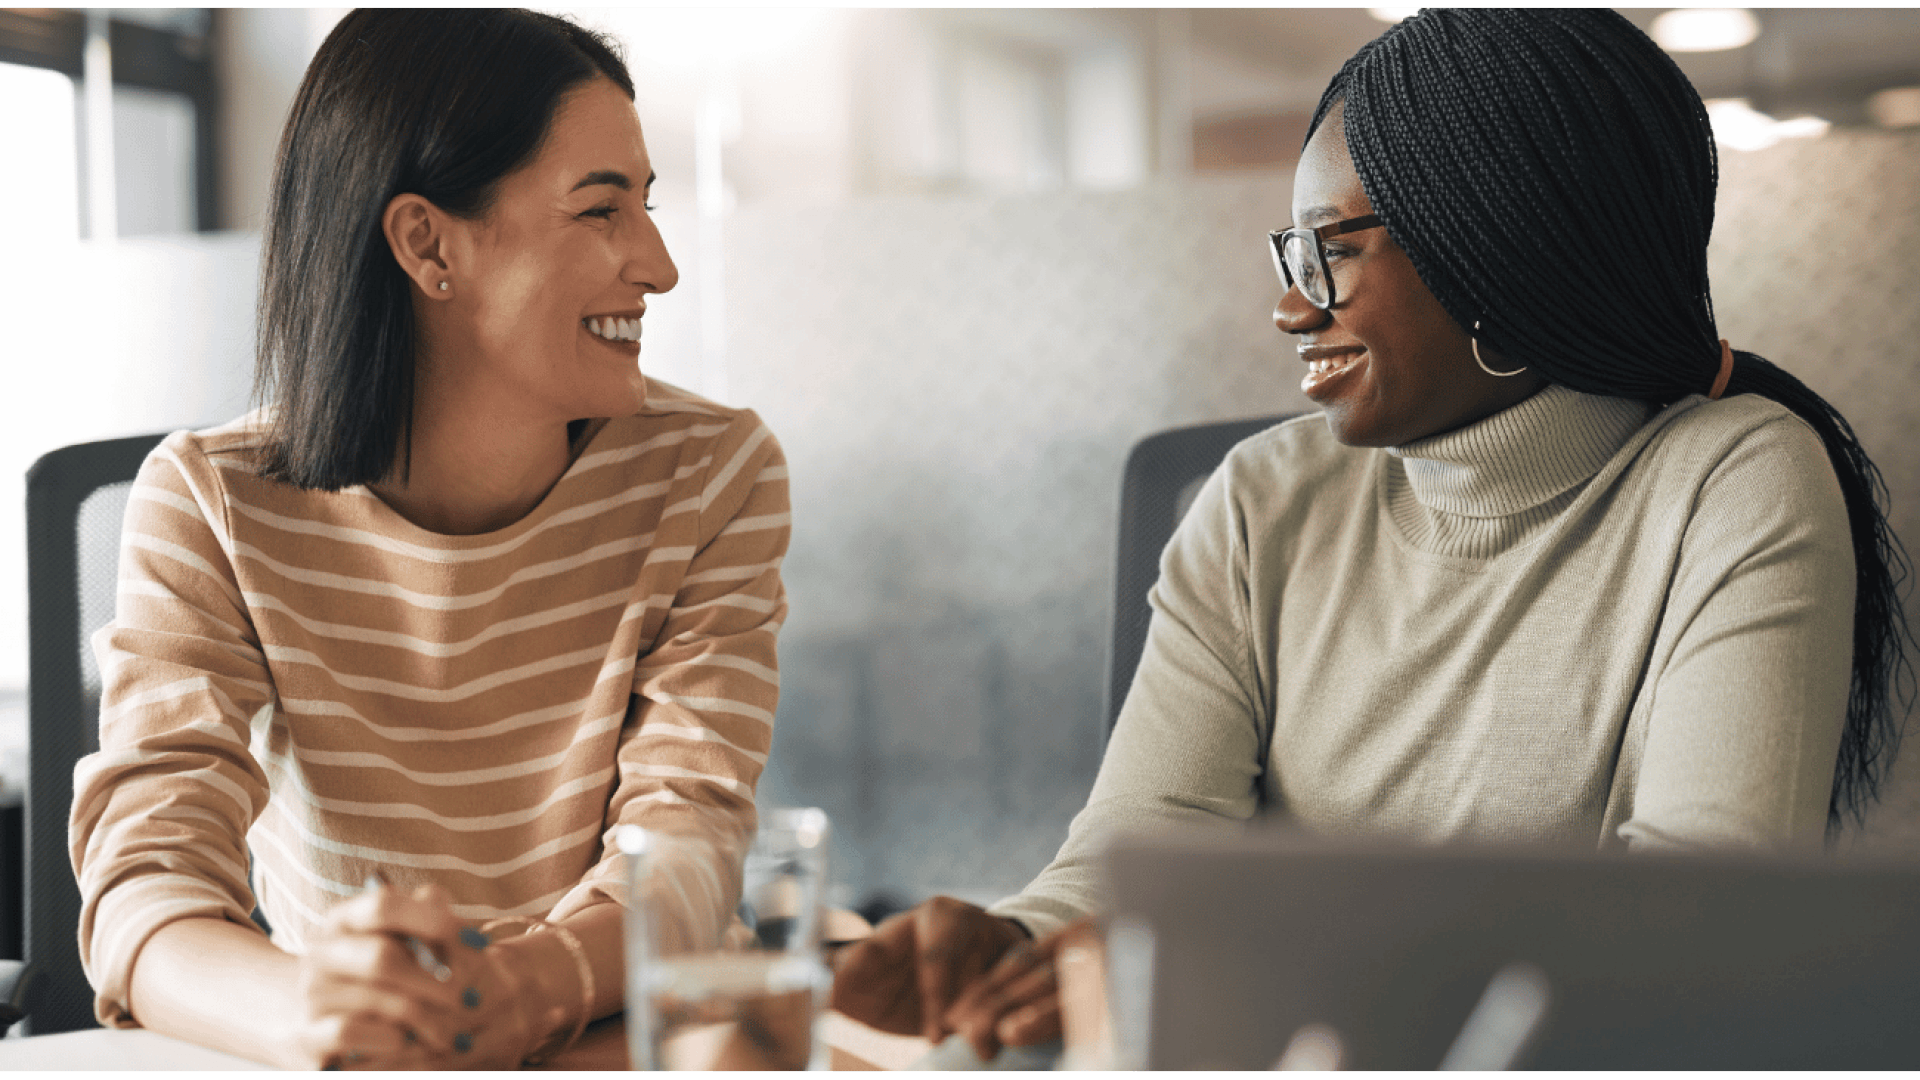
(1558,565)
(395,653)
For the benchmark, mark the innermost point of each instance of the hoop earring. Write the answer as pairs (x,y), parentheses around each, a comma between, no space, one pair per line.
(1483,363)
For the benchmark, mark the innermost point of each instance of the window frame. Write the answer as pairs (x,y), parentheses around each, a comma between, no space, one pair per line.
(143,57)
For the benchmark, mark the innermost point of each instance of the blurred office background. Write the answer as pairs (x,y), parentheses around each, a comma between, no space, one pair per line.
(960,261)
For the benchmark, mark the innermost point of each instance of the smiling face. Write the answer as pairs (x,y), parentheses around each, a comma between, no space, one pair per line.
(1386,362)
(551,282)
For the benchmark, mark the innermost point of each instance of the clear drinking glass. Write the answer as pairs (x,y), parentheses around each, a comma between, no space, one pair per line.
(752,1000)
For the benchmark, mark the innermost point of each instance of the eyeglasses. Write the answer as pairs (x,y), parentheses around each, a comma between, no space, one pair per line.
(1300,260)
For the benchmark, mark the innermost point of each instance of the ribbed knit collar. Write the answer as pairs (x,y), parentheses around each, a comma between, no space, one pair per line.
(1511,463)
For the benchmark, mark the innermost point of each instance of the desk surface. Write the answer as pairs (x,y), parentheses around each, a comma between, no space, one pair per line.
(604,1047)
(99,1048)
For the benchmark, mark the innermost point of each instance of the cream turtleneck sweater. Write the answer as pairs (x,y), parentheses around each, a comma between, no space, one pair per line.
(1578,621)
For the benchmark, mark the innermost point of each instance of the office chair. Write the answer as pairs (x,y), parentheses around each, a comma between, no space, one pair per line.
(75,498)
(1164,471)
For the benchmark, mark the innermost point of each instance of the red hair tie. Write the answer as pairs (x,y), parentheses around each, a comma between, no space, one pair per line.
(1726,371)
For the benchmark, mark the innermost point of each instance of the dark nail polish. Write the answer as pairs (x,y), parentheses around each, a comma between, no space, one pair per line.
(470,997)
(462,1043)
(474,939)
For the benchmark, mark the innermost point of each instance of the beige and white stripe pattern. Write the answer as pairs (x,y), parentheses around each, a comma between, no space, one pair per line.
(312,677)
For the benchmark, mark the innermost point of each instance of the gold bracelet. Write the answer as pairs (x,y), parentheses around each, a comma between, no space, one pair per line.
(529,922)
(579,953)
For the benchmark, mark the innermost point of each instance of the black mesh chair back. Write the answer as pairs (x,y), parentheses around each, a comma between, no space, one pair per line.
(1163,474)
(76,497)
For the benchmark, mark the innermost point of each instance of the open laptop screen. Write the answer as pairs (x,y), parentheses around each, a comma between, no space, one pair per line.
(1646,961)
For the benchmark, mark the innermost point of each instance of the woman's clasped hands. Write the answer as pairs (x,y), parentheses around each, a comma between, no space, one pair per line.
(395,981)
(949,968)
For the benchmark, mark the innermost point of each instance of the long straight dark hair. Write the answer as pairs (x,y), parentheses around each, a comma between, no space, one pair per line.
(1547,169)
(442,103)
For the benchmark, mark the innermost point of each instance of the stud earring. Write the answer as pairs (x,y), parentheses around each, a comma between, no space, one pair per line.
(443,286)
(1476,353)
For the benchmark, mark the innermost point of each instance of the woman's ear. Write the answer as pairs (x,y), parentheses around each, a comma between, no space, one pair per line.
(417,234)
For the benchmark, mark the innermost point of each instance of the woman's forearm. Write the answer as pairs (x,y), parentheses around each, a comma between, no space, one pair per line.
(220,985)
(545,959)
(224,986)
(602,931)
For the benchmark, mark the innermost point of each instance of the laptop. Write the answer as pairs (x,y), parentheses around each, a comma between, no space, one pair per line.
(1253,947)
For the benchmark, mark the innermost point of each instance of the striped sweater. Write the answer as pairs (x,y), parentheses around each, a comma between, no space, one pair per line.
(309,677)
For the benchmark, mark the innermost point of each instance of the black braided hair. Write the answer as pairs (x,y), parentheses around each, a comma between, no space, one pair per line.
(1548,169)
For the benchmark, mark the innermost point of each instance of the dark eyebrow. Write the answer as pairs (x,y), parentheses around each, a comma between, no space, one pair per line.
(609,176)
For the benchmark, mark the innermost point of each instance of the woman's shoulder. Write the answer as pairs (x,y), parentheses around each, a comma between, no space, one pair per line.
(682,438)
(241,436)
(674,412)
(205,457)
(1715,434)
(667,402)
(1744,459)
(193,475)
(1297,454)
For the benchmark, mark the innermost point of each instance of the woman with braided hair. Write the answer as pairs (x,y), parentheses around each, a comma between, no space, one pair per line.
(1558,565)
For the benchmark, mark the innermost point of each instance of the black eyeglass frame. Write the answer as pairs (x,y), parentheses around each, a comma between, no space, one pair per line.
(1278,238)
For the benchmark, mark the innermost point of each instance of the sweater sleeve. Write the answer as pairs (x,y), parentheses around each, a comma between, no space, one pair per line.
(700,722)
(1187,747)
(1745,727)
(161,811)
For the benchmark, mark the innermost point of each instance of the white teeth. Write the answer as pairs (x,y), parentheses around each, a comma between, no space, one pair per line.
(614,329)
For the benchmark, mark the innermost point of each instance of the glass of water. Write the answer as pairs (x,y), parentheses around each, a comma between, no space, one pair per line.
(752,999)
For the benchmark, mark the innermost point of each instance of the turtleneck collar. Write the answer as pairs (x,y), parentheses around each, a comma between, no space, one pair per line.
(1521,457)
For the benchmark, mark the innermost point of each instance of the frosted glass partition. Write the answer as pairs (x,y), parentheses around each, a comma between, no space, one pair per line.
(957,382)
